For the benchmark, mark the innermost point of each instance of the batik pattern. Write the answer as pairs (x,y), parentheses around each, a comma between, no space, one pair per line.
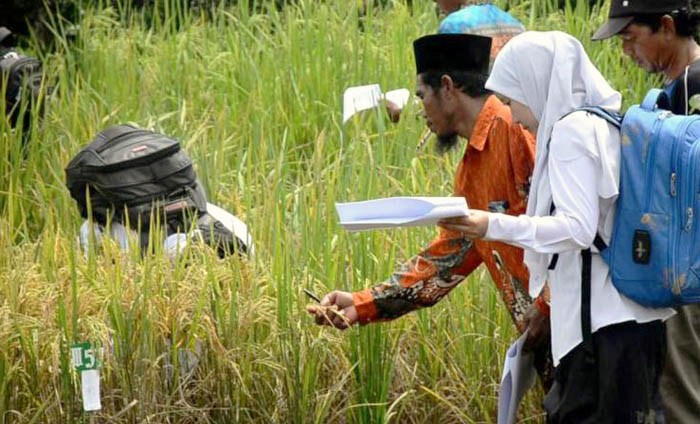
(493,175)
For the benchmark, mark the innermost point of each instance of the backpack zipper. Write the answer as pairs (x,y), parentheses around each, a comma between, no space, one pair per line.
(681,206)
(690,181)
(693,194)
(108,143)
(142,160)
(651,156)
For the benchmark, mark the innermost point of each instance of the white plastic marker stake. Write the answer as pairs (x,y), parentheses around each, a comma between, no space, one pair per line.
(90,380)
(357,99)
(86,363)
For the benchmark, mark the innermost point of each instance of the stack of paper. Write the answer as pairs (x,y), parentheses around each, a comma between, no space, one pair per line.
(363,97)
(518,377)
(399,212)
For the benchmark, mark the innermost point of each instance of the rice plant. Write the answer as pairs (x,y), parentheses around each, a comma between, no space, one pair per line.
(253,91)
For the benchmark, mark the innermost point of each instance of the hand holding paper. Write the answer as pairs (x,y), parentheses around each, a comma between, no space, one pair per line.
(398,97)
(472,227)
(363,97)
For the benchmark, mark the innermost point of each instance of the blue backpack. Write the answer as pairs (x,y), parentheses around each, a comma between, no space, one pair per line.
(654,253)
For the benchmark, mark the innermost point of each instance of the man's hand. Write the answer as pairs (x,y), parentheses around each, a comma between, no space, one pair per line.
(336,310)
(473,226)
(393,110)
(538,326)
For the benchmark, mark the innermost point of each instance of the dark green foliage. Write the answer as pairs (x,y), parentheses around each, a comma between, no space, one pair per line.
(25,16)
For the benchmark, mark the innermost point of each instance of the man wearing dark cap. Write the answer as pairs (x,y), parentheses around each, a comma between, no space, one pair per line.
(493,175)
(658,36)
(472,17)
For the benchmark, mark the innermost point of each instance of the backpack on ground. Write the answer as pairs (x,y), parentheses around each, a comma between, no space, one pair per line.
(654,252)
(22,77)
(130,175)
(135,176)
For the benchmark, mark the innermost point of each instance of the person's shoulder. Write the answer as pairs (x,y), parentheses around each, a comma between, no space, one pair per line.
(686,83)
(692,78)
(575,126)
(574,134)
(585,123)
(578,121)
(694,71)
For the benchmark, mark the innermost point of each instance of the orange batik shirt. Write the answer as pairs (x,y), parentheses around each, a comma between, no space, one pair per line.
(493,175)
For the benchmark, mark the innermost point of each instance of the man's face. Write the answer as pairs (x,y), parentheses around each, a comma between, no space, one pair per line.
(644,46)
(438,114)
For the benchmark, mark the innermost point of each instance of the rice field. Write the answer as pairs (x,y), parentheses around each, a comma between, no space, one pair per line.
(254,94)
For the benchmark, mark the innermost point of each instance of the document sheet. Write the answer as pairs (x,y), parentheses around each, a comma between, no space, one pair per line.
(399,212)
(518,376)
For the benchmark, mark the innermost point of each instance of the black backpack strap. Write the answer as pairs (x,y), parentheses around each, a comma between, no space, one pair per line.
(585,301)
(555,257)
(612,117)
(553,262)
(586,305)
(586,333)
(586,297)
(599,243)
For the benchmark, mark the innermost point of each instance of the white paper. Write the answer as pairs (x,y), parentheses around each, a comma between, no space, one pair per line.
(363,97)
(357,99)
(90,385)
(233,224)
(518,376)
(399,212)
(398,97)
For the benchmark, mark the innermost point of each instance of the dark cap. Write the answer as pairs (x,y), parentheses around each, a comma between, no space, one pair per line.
(452,52)
(622,13)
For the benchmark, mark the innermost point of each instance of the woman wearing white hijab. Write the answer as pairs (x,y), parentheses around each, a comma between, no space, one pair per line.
(612,377)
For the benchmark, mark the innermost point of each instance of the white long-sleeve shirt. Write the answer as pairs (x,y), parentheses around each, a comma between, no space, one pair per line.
(574,172)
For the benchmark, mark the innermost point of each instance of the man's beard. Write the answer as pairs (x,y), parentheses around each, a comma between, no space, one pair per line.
(446,142)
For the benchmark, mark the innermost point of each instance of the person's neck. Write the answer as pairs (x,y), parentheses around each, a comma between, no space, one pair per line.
(467,114)
(687,53)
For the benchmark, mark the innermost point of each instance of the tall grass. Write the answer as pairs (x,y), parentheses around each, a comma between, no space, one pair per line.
(255,98)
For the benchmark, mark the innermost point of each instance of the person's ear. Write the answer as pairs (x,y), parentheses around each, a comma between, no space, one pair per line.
(447,84)
(668,26)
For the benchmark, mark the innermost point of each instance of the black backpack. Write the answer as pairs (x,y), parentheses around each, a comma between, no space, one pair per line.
(132,176)
(23,76)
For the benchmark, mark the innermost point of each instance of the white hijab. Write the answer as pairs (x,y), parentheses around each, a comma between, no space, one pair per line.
(551,74)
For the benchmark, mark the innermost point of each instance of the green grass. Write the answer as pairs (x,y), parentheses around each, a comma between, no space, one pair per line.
(256,100)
